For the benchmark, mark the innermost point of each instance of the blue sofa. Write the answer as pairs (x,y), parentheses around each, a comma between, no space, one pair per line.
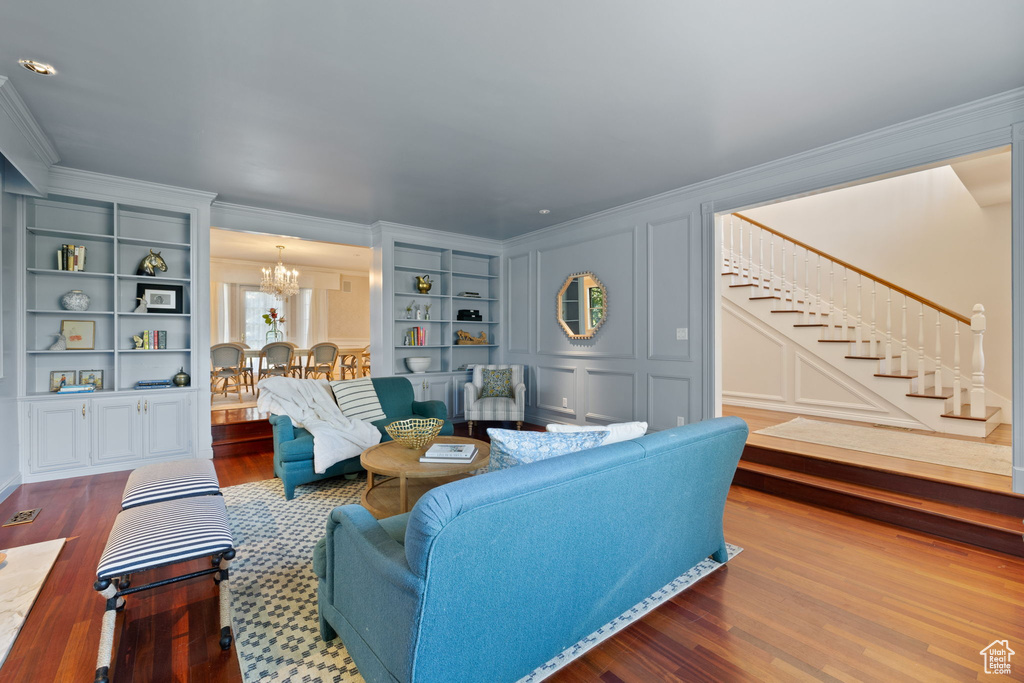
(293,446)
(489,577)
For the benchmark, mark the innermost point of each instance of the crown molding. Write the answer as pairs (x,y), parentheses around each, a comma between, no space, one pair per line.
(256,219)
(988,120)
(15,107)
(73,181)
(412,232)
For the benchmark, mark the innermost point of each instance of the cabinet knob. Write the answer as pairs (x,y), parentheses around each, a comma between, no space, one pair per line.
(83,410)
(138,406)
(146,406)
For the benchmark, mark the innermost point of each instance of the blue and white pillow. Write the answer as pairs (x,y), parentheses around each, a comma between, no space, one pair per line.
(510,447)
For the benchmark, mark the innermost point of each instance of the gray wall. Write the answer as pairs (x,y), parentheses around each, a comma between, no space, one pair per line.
(634,368)
(10,475)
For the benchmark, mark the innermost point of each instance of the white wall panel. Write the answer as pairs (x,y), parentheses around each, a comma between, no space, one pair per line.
(518,303)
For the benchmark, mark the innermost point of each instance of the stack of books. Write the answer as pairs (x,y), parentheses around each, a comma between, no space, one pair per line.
(70,257)
(154,339)
(417,336)
(470,295)
(154,384)
(450,452)
(76,388)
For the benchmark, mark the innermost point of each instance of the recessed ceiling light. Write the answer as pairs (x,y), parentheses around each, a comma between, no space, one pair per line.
(40,68)
(545,211)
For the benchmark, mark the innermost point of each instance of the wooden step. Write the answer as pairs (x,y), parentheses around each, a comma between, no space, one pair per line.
(253,436)
(819,324)
(900,376)
(994,530)
(932,393)
(965,413)
(837,341)
(866,358)
(786,310)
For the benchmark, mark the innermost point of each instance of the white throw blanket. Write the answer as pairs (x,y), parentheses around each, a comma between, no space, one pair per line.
(310,404)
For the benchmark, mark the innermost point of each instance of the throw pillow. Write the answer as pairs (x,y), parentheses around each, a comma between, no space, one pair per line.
(497,383)
(510,447)
(618,431)
(358,399)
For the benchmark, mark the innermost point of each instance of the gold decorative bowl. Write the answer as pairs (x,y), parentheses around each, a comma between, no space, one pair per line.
(415,432)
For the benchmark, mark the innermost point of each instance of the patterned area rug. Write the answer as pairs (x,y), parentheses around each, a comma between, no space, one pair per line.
(273,587)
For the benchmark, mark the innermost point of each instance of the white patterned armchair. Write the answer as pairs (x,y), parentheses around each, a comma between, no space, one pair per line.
(483,404)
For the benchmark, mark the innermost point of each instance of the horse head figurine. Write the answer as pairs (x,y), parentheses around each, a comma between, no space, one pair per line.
(151,261)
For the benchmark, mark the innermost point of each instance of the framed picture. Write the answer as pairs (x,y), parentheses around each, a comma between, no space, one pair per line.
(94,377)
(60,378)
(81,334)
(161,298)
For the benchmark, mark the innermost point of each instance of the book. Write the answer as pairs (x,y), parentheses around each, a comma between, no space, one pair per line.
(455,460)
(76,388)
(461,452)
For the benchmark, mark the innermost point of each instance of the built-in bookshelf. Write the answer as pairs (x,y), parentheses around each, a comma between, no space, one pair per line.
(116,238)
(453,272)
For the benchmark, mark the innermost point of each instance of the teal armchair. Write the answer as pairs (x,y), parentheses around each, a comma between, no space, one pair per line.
(293,446)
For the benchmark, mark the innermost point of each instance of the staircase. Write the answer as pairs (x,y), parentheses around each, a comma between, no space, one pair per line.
(862,325)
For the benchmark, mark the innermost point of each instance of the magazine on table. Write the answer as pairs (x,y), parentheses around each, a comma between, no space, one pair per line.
(450,452)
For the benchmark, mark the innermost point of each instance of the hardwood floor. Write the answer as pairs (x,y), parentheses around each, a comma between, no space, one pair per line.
(816,595)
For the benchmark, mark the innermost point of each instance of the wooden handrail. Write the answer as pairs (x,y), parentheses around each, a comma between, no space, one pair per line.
(849,266)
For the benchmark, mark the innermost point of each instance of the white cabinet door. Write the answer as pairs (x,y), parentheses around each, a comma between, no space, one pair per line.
(117,429)
(434,389)
(168,427)
(60,435)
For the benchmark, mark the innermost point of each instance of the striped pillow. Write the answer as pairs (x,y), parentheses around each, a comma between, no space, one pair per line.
(358,399)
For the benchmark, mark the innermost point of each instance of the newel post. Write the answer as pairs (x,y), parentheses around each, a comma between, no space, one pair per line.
(978,374)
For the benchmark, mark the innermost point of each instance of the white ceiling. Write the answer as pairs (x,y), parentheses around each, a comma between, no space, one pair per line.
(472,115)
(244,246)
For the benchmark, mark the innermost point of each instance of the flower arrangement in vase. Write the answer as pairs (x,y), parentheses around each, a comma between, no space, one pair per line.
(271,318)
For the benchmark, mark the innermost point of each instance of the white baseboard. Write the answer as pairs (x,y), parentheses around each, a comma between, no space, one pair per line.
(9,486)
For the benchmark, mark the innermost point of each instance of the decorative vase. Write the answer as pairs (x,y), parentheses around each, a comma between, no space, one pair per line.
(60,345)
(75,300)
(275,335)
(423,283)
(181,379)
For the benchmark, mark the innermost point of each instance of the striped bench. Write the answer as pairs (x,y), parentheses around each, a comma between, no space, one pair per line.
(168,516)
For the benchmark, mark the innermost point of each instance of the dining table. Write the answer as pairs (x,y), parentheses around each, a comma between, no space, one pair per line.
(302,354)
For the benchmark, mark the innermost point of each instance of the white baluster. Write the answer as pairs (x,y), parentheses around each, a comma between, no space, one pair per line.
(760,256)
(860,317)
(796,281)
(726,262)
(920,351)
(818,295)
(874,317)
(740,270)
(888,331)
(831,298)
(904,357)
(938,352)
(750,271)
(771,263)
(978,376)
(783,274)
(957,388)
(732,246)
(807,287)
(846,310)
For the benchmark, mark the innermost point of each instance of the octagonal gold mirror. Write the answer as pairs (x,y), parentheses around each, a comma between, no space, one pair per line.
(582,305)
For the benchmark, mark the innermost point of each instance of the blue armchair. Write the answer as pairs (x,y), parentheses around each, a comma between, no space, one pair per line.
(293,446)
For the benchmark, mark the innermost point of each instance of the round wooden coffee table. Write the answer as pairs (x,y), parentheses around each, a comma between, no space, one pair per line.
(410,478)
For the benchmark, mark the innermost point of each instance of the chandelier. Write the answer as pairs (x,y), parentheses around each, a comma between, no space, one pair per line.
(280,281)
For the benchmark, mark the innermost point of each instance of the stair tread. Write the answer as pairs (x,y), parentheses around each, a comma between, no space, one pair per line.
(837,341)
(992,520)
(965,413)
(894,375)
(786,310)
(931,393)
(866,358)
(819,324)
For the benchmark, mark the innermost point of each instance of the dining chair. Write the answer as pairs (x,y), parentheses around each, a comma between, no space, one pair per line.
(226,366)
(366,361)
(247,367)
(321,360)
(275,361)
(348,366)
(295,369)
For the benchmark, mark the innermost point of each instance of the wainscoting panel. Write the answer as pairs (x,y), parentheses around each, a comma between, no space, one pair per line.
(668,298)
(552,384)
(609,395)
(668,399)
(612,259)
(518,306)
(754,358)
(814,385)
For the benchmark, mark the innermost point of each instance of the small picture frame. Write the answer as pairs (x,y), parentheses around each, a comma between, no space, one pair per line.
(161,298)
(81,334)
(60,378)
(94,377)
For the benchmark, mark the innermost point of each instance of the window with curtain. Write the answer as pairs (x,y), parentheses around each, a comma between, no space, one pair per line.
(254,304)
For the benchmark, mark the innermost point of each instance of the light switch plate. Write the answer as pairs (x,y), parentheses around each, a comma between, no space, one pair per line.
(682,333)
(680,421)
(565,402)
